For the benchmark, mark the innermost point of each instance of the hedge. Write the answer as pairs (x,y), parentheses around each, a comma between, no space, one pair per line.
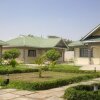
(48,84)
(82,92)
(15,70)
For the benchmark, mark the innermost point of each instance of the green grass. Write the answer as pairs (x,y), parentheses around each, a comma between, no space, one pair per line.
(46,76)
(31,83)
(65,68)
(60,75)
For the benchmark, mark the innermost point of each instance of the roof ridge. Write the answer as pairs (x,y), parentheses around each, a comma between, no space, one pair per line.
(89,33)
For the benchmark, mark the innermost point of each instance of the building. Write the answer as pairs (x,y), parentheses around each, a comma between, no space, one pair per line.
(87,50)
(1,44)
(31,47)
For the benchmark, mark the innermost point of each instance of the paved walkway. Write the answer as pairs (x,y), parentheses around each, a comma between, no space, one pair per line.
(90,67)
(51,94)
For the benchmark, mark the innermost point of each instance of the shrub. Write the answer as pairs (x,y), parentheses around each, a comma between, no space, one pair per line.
(13,63)
(82,92)
(16,70)
(11,54)
(52,55)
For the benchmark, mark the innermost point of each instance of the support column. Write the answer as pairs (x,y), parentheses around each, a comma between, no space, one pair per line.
(89,54)
(1,52)
(63,51)
(24,54)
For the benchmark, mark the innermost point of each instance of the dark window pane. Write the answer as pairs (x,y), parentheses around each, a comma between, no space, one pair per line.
(32,53)
(84,52)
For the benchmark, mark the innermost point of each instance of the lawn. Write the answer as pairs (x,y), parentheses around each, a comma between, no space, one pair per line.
(22,77)
(46,76)
(65,68)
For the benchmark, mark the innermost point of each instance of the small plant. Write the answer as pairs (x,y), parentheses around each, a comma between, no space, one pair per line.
(13,63)
(40,61)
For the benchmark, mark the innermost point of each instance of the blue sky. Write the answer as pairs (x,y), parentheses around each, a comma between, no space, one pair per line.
(70,19)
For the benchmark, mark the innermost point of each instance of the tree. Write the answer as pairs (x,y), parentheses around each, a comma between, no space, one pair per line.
(53,55)
(11,54)
(40,61)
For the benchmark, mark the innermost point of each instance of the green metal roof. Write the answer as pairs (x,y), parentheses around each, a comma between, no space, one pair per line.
(81,43)
(2,42)
(33,41)
(94,40)
(76,43)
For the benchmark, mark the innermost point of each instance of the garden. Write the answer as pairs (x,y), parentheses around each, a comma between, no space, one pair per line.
(20,76)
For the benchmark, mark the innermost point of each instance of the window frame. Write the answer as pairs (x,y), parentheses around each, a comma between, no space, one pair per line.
(84,52)
(31,53)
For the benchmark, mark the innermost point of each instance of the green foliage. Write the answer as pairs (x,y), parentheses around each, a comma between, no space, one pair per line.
(82,92)
(40,60)
(11,54)
(49,84)
(52,55)
(7,55)
(1,61)
(69,69)
(18,69)
(13,63)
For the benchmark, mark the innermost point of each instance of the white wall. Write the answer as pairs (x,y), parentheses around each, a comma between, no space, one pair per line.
(69,55)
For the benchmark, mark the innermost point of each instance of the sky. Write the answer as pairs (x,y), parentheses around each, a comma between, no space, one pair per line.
(69,19)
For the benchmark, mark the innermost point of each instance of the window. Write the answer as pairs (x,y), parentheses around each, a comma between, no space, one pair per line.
(32,53)
(84,52)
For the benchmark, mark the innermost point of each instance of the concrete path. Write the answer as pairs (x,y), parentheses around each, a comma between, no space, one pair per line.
(51,94)
(90,67)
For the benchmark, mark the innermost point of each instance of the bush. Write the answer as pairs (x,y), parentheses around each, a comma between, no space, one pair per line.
(11,54)
(53,55)
(5,70)
(48,84)
(13,63)
(82,92)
